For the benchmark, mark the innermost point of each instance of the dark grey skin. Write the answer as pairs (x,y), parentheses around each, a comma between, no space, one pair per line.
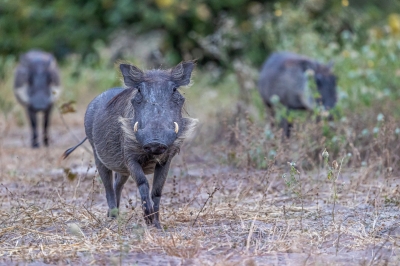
(37,87)
(136,131)
(284,74)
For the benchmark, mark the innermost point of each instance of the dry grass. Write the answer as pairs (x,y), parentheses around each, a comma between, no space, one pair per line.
(254,217)
(231,197)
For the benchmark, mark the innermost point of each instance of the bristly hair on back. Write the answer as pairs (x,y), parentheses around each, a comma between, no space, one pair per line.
(120,97)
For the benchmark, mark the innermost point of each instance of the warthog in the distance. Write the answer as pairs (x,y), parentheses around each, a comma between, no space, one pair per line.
(137,130)
(37,87)
(284,75)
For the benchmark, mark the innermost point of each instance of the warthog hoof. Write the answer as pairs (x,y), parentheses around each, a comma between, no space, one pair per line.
(113,213)
(157,224)
(46,142)
(35,144)
(148,219)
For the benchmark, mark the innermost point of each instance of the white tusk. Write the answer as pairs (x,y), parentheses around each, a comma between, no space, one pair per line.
(135,127)
(176,128)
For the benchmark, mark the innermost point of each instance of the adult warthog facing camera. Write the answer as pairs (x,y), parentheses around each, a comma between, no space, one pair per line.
(137,130)
(36,87)
(284,78)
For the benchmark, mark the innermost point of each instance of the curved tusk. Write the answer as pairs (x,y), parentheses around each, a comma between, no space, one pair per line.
(176,128)
(135,127)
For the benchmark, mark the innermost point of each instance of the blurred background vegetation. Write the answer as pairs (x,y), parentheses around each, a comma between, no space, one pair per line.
(207,30)
(230,39)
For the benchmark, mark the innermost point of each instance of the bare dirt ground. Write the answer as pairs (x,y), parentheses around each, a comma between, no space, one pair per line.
(54,212)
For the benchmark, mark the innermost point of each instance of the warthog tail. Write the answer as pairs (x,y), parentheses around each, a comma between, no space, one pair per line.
(70,150)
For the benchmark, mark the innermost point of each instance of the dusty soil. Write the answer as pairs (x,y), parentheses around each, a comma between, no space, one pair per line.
(54,211)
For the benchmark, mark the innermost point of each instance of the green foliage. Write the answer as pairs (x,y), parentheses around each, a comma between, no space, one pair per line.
(207,30)
(293,180)
(5,106)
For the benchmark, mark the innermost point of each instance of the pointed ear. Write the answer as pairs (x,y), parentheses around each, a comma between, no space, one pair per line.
(182,72)
(132,75)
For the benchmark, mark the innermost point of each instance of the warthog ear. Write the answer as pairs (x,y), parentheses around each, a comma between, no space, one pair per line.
(182,72)
(132,75)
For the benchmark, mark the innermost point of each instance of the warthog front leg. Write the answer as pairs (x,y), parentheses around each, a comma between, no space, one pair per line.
(143,186)
(46,123)
(33,120)
(160,175)
(287,127)
(107,179)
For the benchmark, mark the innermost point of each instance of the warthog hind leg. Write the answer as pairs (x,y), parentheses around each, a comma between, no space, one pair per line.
(107,179)
(119,183)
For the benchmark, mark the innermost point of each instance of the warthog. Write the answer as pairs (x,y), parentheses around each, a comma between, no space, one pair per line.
(36,87)
(283,77)
(137,130)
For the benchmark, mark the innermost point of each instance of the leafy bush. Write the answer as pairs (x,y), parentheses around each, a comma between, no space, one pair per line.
(208,30)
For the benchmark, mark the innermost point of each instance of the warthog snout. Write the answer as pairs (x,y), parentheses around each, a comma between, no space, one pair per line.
(153,139)
(155,145)
(156,137)
(155,148)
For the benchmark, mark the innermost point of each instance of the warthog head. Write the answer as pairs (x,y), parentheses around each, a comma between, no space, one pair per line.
(157,104)
(326,85)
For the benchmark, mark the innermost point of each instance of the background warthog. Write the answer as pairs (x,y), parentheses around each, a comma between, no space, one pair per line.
(37,86)
(137,131)
(284,75)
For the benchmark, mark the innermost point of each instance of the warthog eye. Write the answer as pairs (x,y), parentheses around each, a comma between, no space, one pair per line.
(318,80)
(177,97)
(138,97)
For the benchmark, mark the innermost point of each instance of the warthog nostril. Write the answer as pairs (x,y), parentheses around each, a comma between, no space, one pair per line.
(155,148)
